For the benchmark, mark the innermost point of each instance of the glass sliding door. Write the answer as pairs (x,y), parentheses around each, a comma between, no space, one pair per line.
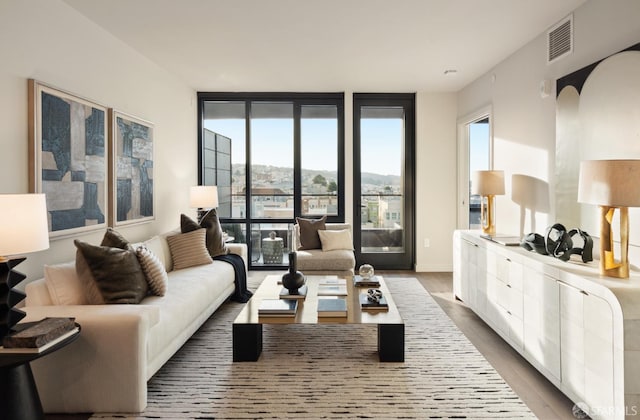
(271,181)
(383,180)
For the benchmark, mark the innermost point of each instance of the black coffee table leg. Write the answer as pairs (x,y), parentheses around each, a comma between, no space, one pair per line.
(247,342)
(391,342)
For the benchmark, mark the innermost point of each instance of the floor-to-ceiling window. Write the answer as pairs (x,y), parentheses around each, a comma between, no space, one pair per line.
(384,131)
(274,157)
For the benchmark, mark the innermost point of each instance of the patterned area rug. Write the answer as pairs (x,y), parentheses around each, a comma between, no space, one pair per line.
(332,371)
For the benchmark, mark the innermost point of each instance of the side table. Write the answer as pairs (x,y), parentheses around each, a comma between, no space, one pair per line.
(20,399)
(272,250)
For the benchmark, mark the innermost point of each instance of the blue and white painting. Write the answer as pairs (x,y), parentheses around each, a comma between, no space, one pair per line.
(70,160)
(133,167)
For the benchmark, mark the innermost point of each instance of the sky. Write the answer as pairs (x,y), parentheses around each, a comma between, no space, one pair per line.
(478,147)
(272,143)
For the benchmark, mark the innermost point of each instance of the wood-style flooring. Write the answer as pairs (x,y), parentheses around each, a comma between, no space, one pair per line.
(542,397)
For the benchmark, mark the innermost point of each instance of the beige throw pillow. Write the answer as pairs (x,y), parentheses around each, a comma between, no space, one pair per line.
(64,285)
(153,271)
(214,236)
(335,239)
(189,249)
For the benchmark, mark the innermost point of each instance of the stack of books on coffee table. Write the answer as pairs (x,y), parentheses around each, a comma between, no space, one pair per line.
(332,307)
(360,281)
(301,293)
(278,307)
(368,305)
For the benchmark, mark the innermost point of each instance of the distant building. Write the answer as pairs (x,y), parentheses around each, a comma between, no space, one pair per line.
(270,202)
(382,211)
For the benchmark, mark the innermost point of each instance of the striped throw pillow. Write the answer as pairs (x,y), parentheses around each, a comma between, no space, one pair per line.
(153,271)
(189,249)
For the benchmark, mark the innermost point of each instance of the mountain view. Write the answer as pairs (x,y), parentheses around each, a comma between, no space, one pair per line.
(282,178)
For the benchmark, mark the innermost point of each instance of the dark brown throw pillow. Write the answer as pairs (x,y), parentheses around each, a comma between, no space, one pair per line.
(91,290)
(309,228)
(214,237)
(116,271)
(114,239)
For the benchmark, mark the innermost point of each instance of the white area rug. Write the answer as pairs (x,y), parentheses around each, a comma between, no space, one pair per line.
(332,371)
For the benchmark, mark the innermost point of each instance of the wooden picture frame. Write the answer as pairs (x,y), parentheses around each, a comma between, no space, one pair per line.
(68,158)
(130,170)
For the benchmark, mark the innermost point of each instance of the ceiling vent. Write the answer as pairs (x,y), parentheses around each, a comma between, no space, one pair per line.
(560,40)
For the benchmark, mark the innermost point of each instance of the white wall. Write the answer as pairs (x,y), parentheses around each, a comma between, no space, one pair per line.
(435,180)
(48,41)
(524,123)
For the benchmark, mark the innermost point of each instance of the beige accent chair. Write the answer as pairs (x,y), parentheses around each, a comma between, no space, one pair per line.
(340,262)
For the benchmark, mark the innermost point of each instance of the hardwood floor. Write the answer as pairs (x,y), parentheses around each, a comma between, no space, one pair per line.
(542,397)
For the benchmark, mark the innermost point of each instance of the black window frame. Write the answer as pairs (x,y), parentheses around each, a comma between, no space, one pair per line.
(298,100)
(387,261)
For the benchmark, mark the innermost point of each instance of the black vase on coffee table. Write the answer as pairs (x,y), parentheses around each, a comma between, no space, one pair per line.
(293,279)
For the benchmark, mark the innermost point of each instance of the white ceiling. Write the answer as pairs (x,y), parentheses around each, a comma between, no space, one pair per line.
(326,45)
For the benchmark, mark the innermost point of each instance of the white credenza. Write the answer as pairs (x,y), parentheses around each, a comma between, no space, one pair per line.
(580,330)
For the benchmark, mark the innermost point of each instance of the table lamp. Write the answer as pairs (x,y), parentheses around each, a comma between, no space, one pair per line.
(487,184)
(611,184)
(24,228)
(204,198)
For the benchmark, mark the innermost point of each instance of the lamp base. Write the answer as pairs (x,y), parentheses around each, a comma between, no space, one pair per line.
(9,297)
(608,264)
(486,216)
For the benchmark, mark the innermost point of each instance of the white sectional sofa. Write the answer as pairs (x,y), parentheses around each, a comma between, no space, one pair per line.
(121,347)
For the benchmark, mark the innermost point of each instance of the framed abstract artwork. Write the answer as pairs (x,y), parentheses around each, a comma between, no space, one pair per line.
(130,169)
(68,158)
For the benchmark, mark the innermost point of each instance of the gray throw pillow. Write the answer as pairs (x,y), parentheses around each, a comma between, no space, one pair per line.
(308,229)
(116,271)
(214,237)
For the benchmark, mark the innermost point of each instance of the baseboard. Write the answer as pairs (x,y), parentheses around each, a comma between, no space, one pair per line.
(432,268)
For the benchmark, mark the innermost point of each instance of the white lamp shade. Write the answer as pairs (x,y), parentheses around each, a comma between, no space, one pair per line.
(204,197)
(24,225)
(487,183)
(614,183)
